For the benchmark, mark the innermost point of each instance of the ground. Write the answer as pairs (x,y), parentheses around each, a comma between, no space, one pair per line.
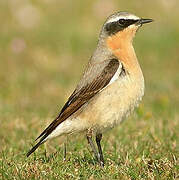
(44,48)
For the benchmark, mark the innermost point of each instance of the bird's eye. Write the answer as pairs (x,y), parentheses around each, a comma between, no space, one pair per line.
(122,22)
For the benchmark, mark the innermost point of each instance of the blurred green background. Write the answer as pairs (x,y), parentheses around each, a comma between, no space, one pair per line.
(44,47)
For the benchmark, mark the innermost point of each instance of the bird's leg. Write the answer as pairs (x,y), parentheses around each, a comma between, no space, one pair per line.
(90,141)
(65,148)
(98,140)
(65,151)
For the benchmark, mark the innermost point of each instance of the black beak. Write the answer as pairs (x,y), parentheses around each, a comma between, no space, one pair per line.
(143,21)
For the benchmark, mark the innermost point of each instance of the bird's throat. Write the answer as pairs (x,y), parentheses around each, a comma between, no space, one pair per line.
(122,48)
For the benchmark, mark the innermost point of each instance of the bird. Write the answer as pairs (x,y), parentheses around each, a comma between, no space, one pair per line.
(111,86)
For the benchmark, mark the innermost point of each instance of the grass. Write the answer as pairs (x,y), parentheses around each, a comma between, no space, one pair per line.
(44,47)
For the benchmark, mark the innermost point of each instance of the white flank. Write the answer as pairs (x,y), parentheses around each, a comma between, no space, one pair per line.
(116,75)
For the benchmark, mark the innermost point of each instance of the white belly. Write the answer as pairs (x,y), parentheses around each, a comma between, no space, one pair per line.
(114,104)
(106,109)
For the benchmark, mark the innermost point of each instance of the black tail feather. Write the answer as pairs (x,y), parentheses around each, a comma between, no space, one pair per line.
(34,148)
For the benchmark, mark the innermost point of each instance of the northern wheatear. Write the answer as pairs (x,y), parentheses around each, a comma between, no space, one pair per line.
(110,88)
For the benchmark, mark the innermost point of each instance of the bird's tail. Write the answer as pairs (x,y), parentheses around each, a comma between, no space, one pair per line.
(34,148)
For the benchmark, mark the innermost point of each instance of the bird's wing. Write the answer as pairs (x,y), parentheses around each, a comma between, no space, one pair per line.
(94,80)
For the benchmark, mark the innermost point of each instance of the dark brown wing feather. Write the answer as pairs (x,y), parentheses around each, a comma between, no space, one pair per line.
(80,97)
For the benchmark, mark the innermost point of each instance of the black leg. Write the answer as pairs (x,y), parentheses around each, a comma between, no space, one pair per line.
(65,151)
(90,141)
(98,140)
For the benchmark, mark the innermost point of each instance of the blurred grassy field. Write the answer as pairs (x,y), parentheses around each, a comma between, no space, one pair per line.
(44,46)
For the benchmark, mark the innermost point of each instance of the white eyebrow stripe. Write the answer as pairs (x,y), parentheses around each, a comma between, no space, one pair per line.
(115,19)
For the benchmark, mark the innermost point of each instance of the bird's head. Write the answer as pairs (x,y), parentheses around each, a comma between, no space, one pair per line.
(122,27)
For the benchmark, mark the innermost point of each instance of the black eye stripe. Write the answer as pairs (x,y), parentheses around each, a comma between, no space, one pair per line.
(126,22)
(114,27)
(122,22)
